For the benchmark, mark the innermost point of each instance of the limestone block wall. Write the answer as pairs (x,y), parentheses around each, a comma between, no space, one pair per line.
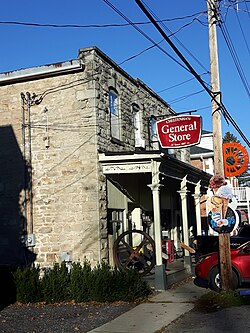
(65,174)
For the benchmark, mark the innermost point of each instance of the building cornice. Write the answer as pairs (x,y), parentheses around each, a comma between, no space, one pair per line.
(39,72)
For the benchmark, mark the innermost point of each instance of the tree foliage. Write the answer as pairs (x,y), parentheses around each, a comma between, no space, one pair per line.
(229,137)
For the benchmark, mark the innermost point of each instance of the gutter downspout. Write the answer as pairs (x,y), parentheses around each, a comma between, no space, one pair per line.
(24,160)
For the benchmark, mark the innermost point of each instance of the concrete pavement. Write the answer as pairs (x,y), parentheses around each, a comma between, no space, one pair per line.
(159,310)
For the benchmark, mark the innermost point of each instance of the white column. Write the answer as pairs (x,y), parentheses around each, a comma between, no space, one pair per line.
(183,193)
(196,195)
(157,222)
(160,274)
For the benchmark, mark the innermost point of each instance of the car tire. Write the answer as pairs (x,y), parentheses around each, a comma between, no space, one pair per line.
(215,280)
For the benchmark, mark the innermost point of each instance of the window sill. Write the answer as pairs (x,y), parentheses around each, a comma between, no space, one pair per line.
(117,141)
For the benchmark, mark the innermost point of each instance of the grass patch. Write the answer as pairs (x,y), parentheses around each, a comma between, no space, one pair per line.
(213,301)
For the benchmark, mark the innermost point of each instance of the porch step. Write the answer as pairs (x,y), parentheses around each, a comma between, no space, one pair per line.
(177,276)
(173,276)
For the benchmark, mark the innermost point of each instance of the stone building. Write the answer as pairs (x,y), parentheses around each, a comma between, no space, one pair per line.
(80,163)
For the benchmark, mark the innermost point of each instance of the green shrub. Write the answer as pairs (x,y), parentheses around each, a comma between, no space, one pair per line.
(129,286)
(56,284)
(213,301)
(80,284)
(27,283)
(111,285)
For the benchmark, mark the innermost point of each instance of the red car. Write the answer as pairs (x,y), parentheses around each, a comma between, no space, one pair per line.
(207,268)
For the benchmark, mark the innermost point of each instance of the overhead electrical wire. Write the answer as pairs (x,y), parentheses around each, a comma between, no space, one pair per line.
(234,55)
(229,43)
(178,41)
(112,25)
(188,66)
(152,46)
(242,31)
(185,97)
(220,105)
(248,11)
(232,6)
(143,33)
(140,53)
(176,85)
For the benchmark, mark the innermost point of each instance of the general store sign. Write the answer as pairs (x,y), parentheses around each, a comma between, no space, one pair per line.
(179,131)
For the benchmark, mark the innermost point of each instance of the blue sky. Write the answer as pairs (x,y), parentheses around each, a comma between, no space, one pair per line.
(28,46)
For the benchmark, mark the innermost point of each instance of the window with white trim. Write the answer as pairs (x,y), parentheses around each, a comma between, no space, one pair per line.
(136,121)
(114,114)
(153,132)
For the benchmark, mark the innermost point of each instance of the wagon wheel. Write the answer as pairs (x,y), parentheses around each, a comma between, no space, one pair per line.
(134,249)
(236,159)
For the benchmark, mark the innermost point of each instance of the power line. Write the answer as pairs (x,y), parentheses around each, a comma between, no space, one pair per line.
(190,68)
(112,25)
(179,99)
(157,20)
(175,86)
(170,35)
(235,57)
(242,31)
(220,105)
(248,11)
(143,33)
(140,53)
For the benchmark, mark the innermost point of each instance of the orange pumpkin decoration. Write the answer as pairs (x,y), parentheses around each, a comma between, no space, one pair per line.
(235,158)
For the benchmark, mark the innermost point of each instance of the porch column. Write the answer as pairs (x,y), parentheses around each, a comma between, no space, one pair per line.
(183,193)
(197,195)
(160,273)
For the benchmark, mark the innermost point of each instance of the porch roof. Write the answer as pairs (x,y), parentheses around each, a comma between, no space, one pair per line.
(140,162)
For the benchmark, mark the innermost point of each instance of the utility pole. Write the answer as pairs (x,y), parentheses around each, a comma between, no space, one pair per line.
(224,238)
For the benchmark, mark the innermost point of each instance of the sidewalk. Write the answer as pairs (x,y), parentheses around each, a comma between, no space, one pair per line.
(159,311)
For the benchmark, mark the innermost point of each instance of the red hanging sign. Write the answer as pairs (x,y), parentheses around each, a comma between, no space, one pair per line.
(179,131)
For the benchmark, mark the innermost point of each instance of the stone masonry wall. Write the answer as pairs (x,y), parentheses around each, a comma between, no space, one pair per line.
(64,165)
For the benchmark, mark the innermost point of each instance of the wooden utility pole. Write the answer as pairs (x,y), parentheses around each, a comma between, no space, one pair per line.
(224,238)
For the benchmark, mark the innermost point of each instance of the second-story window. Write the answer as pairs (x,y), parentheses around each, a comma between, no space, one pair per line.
(136,121)
(114,114)
(153,138)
